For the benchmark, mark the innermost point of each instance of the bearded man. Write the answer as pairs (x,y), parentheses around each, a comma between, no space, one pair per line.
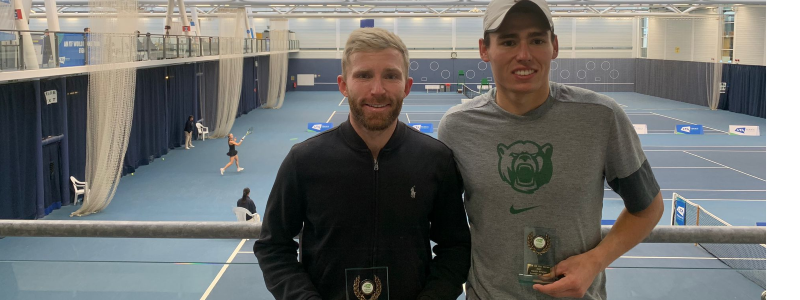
(367,197)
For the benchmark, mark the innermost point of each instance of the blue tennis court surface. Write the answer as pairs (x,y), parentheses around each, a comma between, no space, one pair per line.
(725,174)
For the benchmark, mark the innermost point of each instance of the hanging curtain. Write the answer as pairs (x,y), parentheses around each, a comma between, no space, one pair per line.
(207,79)
(18,151)
(51,171)
(52,116)
(278,62)
(148,133)
(77,87)
(231,49)
(180,102)
(713,80)
(746,90)
(248,100)
(112,82)
(262,73)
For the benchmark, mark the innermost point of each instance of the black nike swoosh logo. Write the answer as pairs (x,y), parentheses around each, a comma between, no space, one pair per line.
(516,211)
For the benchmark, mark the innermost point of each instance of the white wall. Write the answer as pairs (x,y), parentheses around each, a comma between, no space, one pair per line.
(678,40)
(706,40)
(469,31)
(426,32)
(684,39)
(749,38)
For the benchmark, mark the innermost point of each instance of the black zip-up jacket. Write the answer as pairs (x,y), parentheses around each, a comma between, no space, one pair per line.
(356,212)
(189,127)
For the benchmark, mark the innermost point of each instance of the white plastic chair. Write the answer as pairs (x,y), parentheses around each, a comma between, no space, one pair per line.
(201,130)
(78,187)
(242,213)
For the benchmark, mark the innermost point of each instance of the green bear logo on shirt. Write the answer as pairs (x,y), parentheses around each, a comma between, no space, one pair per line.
(525,165)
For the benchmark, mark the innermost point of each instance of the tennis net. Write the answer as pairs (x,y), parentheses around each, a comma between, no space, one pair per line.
(750,260)
(469,93)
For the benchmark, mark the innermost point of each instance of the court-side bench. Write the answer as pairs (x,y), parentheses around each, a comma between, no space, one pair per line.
(429,87)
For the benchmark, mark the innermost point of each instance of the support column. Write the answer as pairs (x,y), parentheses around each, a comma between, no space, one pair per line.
(184,17)
(168,21)
(252,24)
(21,23)
(195,23)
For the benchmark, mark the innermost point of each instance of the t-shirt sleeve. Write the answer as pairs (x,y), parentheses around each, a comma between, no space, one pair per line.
(627,170)
(442,132)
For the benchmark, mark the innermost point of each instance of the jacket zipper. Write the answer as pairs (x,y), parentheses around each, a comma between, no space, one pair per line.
(375,215)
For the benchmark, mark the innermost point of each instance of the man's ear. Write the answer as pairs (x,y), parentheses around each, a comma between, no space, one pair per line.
(342,85)
(555,45)
(409,83)
(483,50)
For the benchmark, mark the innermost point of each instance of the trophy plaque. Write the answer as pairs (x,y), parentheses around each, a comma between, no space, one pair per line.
(539,260)
(367,283)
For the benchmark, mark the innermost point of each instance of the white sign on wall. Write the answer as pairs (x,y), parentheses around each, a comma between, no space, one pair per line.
(640,128)
(51,96)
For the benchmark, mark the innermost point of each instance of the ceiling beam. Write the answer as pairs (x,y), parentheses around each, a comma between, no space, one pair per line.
(296,14)
(264,3)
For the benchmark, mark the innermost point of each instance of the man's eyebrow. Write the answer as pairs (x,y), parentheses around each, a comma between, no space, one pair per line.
(514,35)
(537,33)
(507,36)
(392,70)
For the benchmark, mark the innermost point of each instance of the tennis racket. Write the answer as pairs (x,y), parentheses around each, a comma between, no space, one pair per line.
(249,131)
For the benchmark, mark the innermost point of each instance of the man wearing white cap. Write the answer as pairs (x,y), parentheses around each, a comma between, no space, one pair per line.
(534,156)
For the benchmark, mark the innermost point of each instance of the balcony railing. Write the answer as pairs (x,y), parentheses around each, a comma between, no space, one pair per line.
(71,48)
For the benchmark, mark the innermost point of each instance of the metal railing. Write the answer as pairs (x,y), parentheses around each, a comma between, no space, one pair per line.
(248,230)
(71,48)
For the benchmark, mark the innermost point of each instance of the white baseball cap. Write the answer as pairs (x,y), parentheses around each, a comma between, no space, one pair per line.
(497,10)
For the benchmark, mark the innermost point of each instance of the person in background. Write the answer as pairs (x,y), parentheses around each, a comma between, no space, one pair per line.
(187,130)
(47,49)
(247,203)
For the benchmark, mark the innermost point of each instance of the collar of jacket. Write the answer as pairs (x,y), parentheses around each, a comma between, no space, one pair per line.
(354,140)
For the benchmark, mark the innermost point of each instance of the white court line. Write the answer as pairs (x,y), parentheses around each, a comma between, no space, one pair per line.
(705,190)
(650,109)
(724,165)
(340,102)
(331,117)
(404,105)
(251,252)
(709,146)
(222,271)
(732,151)
(692,258)
(701,199)
(688,168)
(673,133)
(668,117)
(409,118)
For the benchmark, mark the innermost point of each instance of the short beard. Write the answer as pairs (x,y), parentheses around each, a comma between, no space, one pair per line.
(374,124)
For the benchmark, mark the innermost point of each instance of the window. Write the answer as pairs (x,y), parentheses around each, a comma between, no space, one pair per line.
(643,34)
(727,35)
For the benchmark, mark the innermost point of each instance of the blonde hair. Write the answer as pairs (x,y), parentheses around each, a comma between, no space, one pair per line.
(373,40)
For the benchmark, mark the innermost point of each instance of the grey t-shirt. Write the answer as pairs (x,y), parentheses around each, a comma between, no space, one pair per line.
(544,169)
